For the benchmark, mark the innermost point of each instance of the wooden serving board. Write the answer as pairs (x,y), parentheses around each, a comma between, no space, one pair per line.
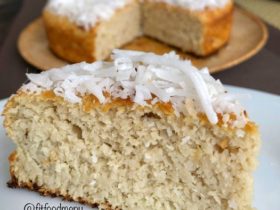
(249,35)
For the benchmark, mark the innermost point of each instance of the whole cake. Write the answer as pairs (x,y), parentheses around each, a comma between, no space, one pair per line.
(141,132)
(88,30)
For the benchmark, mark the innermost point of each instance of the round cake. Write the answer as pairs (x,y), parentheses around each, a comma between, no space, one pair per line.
(89,30)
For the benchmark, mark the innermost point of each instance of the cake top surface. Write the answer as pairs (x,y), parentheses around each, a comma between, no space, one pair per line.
(141,77)
(86,13)
(197,4)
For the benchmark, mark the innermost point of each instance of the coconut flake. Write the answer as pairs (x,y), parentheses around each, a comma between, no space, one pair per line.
(142,94)
(40,80)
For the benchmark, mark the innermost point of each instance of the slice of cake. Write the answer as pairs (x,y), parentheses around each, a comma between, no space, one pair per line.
(88,30)
(200,27)
(141,132)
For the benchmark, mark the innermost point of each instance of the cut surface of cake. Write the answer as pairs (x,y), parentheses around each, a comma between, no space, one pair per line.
(141,132)
(184,24)
(89,30)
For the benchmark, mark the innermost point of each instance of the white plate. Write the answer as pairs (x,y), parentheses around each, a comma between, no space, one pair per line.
(263,108)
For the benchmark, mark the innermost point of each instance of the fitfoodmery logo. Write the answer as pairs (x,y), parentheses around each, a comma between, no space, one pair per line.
(47,206)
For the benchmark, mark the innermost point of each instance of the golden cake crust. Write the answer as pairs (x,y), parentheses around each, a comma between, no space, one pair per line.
(218,25)
(90,102)
(70,42)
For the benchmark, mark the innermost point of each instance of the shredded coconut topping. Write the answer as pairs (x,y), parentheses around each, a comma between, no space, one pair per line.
(86,13)
(197,4)
(140,77)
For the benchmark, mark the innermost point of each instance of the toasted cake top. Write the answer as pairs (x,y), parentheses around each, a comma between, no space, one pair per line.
(140,77)
(197,4)
(86,13)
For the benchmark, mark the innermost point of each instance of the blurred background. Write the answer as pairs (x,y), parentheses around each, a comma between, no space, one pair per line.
(269,10)
(8,10)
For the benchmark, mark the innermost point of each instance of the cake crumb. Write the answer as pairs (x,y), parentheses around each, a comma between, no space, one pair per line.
(232,204)
(93,182)
(226,118)
(94,158)
(240,133)
(186,139)
(147,157)
(171,148)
